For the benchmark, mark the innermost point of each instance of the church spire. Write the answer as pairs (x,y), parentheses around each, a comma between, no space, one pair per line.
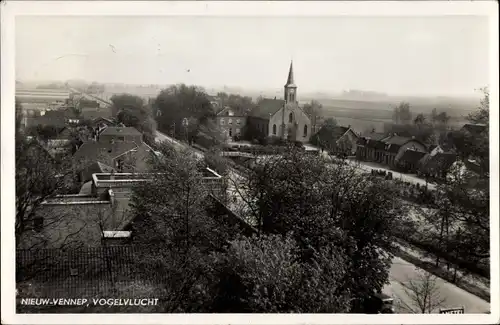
(290,75)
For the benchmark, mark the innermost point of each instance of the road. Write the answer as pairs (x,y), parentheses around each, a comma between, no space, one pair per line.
(402,271)
(89,97)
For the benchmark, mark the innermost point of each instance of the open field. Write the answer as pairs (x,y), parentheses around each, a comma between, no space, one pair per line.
(365,115)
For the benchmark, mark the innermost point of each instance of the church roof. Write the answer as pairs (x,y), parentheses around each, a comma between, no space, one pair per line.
(290,81)
(267,107)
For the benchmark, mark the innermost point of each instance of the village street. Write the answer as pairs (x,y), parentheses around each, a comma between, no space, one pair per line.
(401,271)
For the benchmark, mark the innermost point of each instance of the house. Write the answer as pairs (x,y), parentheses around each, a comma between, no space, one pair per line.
(389,149)
(370,147)
(409,160)
(121,156)
(436,164)
(474,130)
(340,140)
(230,123)
(281,118)
(119,134)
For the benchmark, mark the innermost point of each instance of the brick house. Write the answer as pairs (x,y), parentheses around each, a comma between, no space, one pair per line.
(231,124)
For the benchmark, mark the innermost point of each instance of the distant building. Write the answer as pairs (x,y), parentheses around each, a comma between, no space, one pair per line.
(281,118)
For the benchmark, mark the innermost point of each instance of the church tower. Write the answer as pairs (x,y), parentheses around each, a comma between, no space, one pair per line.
(290,87)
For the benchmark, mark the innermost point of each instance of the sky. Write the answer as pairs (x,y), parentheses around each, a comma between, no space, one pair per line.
(440,55)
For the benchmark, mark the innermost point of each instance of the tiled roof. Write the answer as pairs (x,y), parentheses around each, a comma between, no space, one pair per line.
(112,130)
(266,107)
(475,129)
(438,162)
(105,152)
(46,121)
(374,136)
(95,167)
(396,139)
(412,156)
(94,114)
(78,273)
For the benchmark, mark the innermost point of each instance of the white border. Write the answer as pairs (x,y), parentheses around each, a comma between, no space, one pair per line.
(428,8)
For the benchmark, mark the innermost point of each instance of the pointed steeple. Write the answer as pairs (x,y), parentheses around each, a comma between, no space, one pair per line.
(290,75)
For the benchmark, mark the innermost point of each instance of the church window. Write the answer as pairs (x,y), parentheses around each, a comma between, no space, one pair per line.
(274,129)
(290,118)
(305,130)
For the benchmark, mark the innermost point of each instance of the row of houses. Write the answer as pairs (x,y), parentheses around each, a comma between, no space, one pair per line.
(409,154)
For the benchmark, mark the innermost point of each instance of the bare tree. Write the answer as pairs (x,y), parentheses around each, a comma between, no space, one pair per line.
(424,294)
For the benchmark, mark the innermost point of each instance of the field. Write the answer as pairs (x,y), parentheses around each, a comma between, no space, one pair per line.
(366,115)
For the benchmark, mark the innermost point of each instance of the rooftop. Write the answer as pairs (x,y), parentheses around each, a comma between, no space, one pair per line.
(112,130)
(267,107)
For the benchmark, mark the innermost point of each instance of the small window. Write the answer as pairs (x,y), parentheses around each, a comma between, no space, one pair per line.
(73,271)
(38,224)
(305,130)
(230,121)
(290,118)
(274,129)
(238,121)
(221,121)
(121,138)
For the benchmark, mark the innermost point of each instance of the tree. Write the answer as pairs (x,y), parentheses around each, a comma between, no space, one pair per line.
(327,136)
(404,113)
(482,115)
(178,102)
(434,115)
(324,205)
(419,120)
(315,112)
(443,118)
(175,233)
(265,274)
(424,294)
(132,111)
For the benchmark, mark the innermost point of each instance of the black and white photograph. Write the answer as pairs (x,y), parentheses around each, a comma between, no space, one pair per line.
(279,159)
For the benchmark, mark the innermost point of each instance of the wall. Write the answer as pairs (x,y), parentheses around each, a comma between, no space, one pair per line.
(225,126)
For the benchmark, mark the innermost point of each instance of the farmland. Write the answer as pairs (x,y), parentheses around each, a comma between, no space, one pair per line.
(364,115)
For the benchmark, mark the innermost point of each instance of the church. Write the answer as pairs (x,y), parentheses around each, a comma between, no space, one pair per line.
(281,118)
